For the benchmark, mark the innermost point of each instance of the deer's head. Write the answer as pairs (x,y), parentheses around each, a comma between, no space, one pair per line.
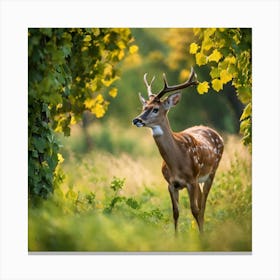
(155,109)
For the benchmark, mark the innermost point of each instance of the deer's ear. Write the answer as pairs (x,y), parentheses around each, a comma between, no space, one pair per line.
(171,100)
(142,99)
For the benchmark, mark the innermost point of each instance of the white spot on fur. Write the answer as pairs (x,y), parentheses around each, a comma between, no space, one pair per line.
(201,187)
(157,131)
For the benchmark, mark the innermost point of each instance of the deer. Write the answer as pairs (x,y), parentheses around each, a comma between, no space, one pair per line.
(190,157)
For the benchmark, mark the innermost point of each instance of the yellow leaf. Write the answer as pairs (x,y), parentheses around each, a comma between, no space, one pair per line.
(203,87)
(231,59)
(60,158)
(73,120)
(121,45)
(107,38)
(236,39)
(92,85)
(200,59)
(221,43)
(207,44)
(113,92)
(98,110)
(133,49)
(194,48)
(87,38)
(215,56)
(247,112)
(59,106)
(99,98)
(96,105)
(89,103)
(83,49)
(196,31)
(225,76)
(209,32)
(95,31)
(108,70)
(121,55)
(108,82)
(217,84)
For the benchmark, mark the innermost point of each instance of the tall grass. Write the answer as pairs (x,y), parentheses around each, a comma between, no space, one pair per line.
(117,200)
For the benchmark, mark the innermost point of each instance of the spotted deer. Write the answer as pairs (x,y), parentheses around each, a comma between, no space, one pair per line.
(190,157)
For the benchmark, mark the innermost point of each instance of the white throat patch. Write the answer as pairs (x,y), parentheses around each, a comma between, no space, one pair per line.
(156,130)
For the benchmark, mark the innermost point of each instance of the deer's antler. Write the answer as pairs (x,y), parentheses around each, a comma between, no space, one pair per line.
(192,80)
(149,86)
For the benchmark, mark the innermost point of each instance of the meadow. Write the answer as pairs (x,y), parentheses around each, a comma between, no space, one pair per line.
(114,199)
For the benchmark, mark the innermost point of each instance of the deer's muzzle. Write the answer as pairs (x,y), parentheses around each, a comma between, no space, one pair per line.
(138,122)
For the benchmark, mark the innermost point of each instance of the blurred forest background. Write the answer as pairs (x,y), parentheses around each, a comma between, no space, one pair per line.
(167,51)
(95,181)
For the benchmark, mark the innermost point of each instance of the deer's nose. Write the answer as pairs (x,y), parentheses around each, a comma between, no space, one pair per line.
(138,122)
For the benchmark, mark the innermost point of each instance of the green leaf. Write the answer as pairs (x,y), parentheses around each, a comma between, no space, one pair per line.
(244,94)
(131,202)
(46,31)
(232,69)
(53,98)
(39,144)
(117,184)
(215,72)
(58,57)
(35,154)
(66,49)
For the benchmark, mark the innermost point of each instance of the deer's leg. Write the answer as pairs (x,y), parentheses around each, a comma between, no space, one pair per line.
(195,196)
(174,195)
(206,189)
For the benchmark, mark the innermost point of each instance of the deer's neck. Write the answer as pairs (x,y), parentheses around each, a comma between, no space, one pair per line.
(166,143)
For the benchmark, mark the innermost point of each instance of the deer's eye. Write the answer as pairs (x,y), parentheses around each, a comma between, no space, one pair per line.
(155,110)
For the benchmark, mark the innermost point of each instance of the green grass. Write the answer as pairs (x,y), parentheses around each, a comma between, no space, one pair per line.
(118,201)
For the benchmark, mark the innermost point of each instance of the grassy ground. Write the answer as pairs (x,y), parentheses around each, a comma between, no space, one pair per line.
(115,199)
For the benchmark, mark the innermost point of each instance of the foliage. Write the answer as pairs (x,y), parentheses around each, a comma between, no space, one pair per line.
(227,53)
(68,70)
